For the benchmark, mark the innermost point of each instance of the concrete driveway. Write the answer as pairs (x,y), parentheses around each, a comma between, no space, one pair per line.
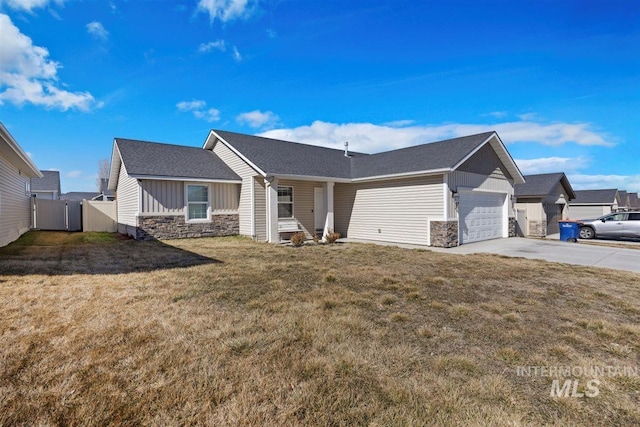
(556,251)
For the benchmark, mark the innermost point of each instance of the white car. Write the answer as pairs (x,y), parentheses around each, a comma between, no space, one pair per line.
(613,225)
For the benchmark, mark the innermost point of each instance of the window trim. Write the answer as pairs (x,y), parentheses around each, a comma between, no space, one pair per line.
(291,203)
(186,202)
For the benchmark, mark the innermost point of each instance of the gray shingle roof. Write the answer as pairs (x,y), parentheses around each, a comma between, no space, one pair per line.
(542,185)
(604,197)
(145,158)
(424,157)
(49,182)
(634,202)
(277,157)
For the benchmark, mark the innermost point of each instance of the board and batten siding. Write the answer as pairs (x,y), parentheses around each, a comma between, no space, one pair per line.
(128,203)
(393,211)
(494,183)
(303,203)
(260,209)
(161,197)
(246,173)
(15,206)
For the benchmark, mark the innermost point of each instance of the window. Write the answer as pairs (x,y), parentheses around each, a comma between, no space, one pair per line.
(197,202)
(615,217)
(285,202)
(634,217)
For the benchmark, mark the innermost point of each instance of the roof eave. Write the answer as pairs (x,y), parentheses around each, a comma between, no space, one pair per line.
(22,157)
(186,178)
(210,143)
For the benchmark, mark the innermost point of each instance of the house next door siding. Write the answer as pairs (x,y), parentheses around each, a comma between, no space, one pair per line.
(393,211)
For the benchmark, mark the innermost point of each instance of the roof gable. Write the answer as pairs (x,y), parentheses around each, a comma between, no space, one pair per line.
(50,181)
(542,185)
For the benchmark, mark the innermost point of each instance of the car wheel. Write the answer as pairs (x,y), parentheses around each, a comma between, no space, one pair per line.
(587,233)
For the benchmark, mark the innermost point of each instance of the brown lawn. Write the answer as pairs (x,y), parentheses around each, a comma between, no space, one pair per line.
(98,331)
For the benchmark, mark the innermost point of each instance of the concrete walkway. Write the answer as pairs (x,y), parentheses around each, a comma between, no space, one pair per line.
(550,250)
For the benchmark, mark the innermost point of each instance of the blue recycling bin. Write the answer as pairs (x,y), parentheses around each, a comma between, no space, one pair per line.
(569,231)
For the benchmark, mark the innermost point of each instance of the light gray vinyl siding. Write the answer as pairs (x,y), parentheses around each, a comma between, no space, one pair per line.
(260,210)
(588,212)
(225,198)
(167,197)
(246,172)
(303,203)
(494,183)
(15,207)
(392,211)
(162,197)
(127,201)
(485,162)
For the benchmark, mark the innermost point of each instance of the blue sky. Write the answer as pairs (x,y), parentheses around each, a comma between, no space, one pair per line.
(558,80)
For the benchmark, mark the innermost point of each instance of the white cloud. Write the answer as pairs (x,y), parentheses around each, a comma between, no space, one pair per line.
(208,47)
(227,10)
(593,182)
(257,118)
(236,54)
(551,164)
(97,30)
(28,76)
(191,105)
(29,5)
(497,114)
(199,110)
(372,138)
(74,174)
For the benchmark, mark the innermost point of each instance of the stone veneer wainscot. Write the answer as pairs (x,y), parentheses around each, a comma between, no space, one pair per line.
(175,227)
(444,234)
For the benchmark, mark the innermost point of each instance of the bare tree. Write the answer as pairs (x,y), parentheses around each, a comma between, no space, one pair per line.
(103,174)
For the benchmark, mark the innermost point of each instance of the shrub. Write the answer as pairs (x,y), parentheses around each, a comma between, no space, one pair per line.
(316,238)
(297,239)
(332,236)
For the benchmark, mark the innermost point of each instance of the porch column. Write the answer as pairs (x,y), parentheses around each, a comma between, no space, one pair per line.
(328,202)
(271,187)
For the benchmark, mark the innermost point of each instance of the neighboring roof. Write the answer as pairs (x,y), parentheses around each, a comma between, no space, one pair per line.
(622,197)
(144,159)
(79,195)
(284,158)
(49,182)
(16,155)
(595,197)
(541,185)
(634,202)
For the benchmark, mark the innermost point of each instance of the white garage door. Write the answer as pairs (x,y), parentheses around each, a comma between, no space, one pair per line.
(480,216)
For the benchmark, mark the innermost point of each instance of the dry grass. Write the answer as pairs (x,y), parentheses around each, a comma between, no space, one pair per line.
(100,331)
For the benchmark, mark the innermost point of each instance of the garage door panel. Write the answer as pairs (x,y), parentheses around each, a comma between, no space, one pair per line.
(481,216)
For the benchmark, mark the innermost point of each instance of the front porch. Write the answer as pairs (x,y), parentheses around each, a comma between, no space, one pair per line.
(298,206)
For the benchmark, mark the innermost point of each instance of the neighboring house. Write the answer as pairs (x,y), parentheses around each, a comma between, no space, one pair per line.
(441,194)
(16,171)
(541,202)
(623,200)
(591,204)
(46,187)
(634,202)
(84,195)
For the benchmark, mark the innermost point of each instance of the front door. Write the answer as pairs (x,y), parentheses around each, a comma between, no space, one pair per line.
(318,209)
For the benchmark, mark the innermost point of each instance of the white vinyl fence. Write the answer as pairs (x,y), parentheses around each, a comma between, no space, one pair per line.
(99,216)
